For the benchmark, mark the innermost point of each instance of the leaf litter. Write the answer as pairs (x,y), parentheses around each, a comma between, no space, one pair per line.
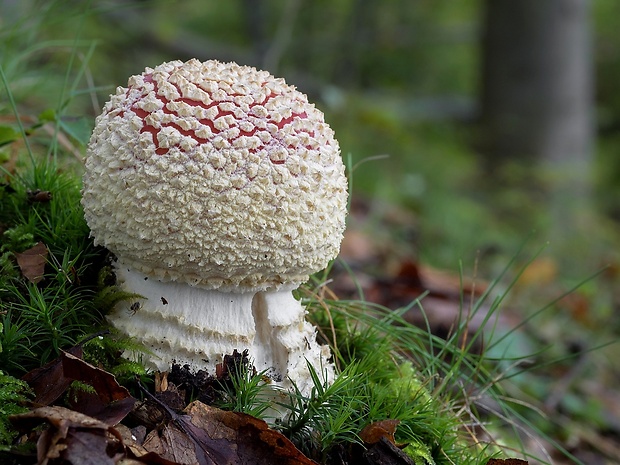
(32,261)
(104,424)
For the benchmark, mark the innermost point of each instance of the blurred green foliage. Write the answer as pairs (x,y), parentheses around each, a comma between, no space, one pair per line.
(397,78)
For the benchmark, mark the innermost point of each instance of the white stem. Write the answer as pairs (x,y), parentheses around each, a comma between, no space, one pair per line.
(196,326)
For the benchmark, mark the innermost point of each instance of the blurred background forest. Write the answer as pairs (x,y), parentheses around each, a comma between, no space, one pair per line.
(469,127)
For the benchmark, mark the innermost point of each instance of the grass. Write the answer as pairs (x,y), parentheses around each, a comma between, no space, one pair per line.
(378,380)
(41,318)
(13,394)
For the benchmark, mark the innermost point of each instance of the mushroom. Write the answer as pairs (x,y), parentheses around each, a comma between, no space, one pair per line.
(219,189)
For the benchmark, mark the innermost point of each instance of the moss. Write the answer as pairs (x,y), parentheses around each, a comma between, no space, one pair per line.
(13,395)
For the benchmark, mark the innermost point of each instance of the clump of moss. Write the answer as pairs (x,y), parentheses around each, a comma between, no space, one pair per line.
(40,317)
(14,394)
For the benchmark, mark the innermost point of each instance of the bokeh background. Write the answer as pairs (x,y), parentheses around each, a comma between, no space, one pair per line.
(482,139)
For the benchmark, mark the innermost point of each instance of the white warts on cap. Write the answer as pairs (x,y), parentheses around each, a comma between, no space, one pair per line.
(215,174)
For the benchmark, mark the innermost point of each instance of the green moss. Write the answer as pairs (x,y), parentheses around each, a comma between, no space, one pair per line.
(40,319)
(13,395)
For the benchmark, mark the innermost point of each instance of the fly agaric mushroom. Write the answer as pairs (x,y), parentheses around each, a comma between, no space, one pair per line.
(219,189)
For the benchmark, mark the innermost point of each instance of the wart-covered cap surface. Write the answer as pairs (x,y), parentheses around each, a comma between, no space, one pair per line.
(215,174)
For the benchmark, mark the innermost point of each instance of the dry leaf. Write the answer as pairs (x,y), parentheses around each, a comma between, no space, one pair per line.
(87,448)
(135,453)
(251,439)
(173,444)
(150,414)
(57,416)
(541,272)
(109,403)
(38,195)
(206,435)
(63,438)
(104,383)
(373,432)
(48,382)
(31,262)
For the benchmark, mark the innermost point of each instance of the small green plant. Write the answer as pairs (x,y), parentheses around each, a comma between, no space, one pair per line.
(378,381)
(335,413)
(244,391)
(41,317)
(109,350)
(13,395)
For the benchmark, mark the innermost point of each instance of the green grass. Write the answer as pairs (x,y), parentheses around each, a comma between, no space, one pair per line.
(14,393)
(41,318)
(376,388)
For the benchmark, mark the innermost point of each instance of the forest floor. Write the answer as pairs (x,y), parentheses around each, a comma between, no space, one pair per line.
(569,394)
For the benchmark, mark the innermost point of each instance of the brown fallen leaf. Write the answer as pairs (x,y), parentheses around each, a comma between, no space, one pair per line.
(57,416)
(149,458)
(90,447)
(90,404)
(149,413)
(135,454)
(543,271)
(31,262)
(175,445)
(64,438)
(373,432)
(110,402)
(38,195)
(206,435)
(248,439)
(132,439)
(413,280)
(108,389)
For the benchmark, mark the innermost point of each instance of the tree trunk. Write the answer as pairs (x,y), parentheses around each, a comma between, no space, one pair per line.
(537,80)
(537,107)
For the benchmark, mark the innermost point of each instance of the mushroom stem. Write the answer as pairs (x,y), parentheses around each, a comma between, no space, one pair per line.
(192,325)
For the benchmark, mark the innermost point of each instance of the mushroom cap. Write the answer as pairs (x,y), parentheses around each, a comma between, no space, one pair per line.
(217,175)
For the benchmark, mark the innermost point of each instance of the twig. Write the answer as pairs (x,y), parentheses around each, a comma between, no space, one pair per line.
(282,36)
